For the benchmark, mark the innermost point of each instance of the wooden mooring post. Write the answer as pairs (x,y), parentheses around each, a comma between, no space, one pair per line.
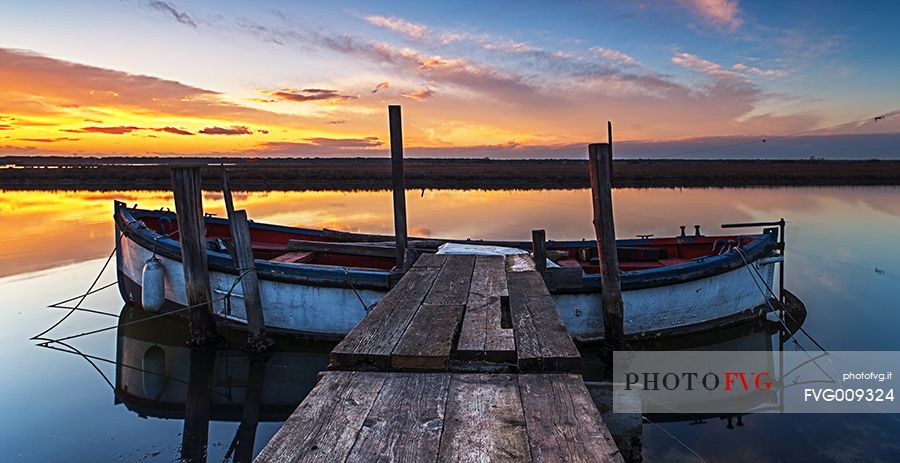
(398,183)
(600,161)
(192,234)
(539,250)
(239,225)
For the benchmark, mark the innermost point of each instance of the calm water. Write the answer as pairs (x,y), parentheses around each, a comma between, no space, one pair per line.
(58,407)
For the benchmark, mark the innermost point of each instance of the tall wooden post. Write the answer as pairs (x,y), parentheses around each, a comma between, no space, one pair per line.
(192,234)
(259,340)
(539,250)
(605,230)
(399,184)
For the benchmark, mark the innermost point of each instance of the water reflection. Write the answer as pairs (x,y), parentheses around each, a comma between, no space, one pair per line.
(41,229)
(836,239)
(157,375)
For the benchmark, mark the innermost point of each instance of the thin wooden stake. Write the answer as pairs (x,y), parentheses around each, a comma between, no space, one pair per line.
(538,250)
(259,340)
(192,234)
(399,184)
(609,138)
(604,228)
(226,192)
(239,225)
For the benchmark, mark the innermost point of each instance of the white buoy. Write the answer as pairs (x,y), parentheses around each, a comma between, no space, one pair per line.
(153,285)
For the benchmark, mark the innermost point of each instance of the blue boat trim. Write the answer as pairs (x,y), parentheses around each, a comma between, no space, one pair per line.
(129,223)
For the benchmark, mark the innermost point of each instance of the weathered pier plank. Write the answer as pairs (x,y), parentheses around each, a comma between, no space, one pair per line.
(485,420)
(542,341)
(452,307)
(428,339)
(317,431)
(406,420)
(433,339)
(562,422)
(482,335)
(374,338)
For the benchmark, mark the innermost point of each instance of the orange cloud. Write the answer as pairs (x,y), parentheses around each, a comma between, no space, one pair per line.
(381,86)
(234,130)
(419,95)
(309,94)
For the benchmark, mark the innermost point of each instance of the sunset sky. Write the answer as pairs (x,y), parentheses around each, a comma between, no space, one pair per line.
(505,79)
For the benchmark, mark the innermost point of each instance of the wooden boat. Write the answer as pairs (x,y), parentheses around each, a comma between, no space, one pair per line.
(320,283)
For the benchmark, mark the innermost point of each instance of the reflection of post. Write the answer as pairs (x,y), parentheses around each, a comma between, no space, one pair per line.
(192,234)
(246,433)
(197,406)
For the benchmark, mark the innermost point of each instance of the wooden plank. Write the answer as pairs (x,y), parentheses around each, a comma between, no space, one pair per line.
(371,342)
(482,335)
(452,284)
(294,257)
(406,420)
(324,427)
(428,340)
(484,421)
(528,345)
(543,343)
(562,422)
(352,249)
(430,260)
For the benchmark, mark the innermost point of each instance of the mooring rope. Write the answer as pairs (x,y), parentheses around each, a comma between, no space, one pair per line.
(644,417)
(751,269)
(81,299)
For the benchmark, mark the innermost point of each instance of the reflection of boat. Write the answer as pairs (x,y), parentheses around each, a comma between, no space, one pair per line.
(320,283)
(153,371)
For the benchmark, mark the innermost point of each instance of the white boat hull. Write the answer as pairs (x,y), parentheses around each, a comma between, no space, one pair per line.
(331,312)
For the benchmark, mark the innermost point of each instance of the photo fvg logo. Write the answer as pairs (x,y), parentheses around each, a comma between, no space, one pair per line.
(745,381)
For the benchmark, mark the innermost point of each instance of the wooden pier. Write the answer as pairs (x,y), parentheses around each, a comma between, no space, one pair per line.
(465,359)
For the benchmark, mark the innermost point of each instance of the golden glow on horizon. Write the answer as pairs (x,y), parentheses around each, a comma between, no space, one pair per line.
(40,229)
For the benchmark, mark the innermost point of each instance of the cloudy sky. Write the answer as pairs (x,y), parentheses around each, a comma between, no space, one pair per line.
(514,79)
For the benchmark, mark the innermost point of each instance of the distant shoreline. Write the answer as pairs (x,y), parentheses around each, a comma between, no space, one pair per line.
(251,174)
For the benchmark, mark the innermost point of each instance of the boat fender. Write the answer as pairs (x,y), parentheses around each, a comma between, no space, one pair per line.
(153,285)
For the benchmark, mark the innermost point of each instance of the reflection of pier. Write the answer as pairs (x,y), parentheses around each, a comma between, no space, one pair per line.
(155,369)
(158,376)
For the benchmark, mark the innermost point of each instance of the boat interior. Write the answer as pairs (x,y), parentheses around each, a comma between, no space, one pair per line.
(286,245)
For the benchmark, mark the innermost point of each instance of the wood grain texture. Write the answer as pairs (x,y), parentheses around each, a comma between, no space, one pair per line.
(406,420)
(482,336)
(562,422)
(542,341)
(325,426)
(452,284)
(428,340)
(192,235)
(430,260)
(371,342)
(484,421)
